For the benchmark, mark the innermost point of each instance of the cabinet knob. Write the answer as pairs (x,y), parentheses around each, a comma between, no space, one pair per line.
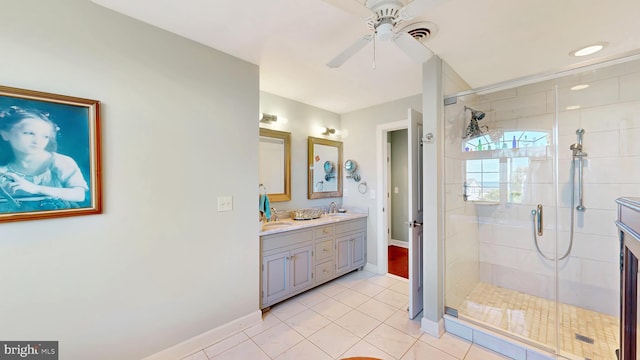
(325,250)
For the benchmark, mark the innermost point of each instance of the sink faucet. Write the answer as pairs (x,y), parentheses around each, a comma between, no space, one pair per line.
(333,207)
(274,217)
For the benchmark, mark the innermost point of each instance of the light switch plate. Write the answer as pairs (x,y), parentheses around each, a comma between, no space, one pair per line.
(225,203)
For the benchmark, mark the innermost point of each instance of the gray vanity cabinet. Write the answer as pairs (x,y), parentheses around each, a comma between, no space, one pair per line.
(324,250)
(350,246)
(296,260)
(287,264)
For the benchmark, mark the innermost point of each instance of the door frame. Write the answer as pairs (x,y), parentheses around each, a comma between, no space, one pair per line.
(382,203)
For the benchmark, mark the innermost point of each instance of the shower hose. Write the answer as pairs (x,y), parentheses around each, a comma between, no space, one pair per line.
(534,213)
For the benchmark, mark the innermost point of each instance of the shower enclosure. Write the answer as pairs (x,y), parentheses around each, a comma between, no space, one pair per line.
(532,250)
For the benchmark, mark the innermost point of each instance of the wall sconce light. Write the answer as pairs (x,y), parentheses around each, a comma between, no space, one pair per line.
(329,131)
(268,118)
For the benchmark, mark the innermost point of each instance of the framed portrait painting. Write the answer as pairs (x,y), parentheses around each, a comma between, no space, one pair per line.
(49,155)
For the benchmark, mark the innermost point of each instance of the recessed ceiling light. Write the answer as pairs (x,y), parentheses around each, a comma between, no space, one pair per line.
(579,87)
(573,107)
(589,49)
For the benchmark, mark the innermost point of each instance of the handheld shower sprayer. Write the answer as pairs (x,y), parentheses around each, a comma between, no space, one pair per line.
(580,133)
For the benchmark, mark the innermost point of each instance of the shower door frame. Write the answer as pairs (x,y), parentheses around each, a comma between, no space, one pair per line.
(538,79)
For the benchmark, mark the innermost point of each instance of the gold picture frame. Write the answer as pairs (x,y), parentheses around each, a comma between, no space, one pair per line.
(50,159)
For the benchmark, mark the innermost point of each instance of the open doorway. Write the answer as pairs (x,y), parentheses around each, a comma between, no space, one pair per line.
(414,220)
(397,200)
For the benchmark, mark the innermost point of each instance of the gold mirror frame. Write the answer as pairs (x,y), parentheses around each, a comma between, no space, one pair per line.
(314,159)
(286,137)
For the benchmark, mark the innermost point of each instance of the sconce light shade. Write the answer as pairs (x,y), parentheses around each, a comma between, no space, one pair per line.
(268,118)
(329,131)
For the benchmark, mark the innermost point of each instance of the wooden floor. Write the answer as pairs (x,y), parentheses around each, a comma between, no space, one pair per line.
(399,261)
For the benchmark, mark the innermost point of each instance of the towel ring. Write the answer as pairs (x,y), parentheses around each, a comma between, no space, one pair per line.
(262,189)
(362,187)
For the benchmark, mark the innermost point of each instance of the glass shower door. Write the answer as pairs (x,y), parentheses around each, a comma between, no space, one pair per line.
(501,191)
(531,246)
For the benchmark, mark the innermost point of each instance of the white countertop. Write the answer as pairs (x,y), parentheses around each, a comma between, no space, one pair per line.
(290,224)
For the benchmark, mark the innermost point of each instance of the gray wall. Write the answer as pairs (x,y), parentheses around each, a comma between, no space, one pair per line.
(302,121)
(161,265)
(399,179)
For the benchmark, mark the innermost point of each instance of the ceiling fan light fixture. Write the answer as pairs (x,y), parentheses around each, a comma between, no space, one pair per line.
(589,49)
(384,32)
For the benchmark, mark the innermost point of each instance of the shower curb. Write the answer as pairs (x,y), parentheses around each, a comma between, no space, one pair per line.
(493,341)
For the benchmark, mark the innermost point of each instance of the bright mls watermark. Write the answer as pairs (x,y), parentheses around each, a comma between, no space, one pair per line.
(29,350)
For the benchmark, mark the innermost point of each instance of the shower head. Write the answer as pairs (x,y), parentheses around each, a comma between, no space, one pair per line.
(473,130)
(475,114)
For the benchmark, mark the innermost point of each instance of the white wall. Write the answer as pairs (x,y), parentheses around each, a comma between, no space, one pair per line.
(161,265)
(360,145)
(302,121)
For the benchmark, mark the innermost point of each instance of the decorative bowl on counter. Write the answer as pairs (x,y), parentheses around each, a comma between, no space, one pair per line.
(306,214)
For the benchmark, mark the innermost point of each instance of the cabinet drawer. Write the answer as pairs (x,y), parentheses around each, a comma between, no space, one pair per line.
(348,226)
(276,241)
(323,232)
(324,250)
(324,271)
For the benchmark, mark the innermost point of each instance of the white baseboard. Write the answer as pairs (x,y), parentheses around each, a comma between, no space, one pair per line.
(208,338)
(402,244)
(372,268)
(435,329)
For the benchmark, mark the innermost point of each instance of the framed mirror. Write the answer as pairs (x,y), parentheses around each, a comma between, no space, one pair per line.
(325,168)
(275,164)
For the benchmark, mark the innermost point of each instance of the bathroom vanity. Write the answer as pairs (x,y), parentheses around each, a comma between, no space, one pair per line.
(299,255)
(629,227)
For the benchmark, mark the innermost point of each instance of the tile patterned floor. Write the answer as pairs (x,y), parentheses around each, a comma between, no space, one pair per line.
(533,318)
(359,314)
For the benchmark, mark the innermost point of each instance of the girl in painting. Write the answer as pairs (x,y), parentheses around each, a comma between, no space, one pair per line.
(33,176)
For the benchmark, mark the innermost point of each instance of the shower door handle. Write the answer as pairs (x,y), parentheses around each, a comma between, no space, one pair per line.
(539,221)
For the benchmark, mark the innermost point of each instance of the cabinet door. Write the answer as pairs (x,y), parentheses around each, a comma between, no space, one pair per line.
(343,254)
(358,250)
(301,268)
(275,279)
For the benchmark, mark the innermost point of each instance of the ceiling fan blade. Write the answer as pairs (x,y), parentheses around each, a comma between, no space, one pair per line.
(418,8)
(349,52)
(351,6)
(412,47)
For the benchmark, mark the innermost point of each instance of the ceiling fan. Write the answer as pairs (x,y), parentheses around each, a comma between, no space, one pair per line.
(383,17)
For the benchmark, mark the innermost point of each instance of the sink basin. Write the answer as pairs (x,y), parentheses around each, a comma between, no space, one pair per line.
(275,225)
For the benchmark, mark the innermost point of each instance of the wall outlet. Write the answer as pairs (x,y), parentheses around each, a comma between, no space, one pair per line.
(225,203)
(372,194)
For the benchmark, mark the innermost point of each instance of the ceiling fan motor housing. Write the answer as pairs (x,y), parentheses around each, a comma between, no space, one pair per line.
(386,17)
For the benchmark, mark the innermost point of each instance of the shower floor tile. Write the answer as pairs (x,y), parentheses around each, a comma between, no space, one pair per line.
(584,334)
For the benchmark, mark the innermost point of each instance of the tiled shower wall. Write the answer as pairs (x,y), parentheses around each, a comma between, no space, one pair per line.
(609,112)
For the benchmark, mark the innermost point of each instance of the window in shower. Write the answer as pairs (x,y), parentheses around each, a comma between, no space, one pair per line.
(517,176)
(483,180)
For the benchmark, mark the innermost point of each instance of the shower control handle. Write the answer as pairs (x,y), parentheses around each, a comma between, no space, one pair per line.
(539,220)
